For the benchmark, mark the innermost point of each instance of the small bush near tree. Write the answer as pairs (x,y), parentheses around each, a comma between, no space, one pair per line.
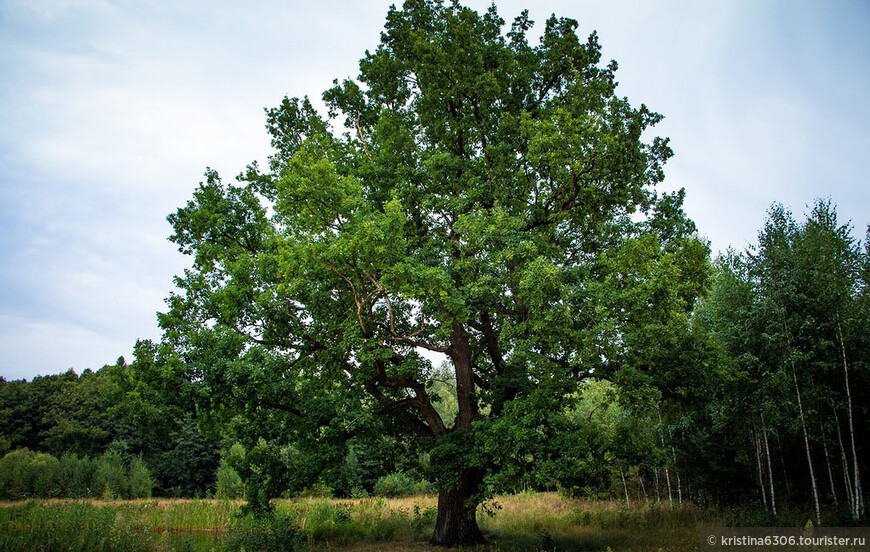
(394,484)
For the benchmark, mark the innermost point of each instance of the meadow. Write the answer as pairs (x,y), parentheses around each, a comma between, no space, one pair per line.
(527,521)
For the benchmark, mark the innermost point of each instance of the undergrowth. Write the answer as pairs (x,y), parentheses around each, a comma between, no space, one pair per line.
(528,521)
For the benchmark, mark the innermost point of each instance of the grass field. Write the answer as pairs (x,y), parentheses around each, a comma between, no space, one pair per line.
(529,521)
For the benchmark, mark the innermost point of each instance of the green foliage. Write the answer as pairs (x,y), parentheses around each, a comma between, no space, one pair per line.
(82,528)
(140,481)
(275,532)
(479,207)
(78,419)
(395,484)
(229,484)
(76,475)
(110,477)
(189,467)
(14,469)
(786,317)
(41,475)
(140,405)
(26,474)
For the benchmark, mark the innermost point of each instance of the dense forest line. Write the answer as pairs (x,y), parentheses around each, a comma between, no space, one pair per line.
(759,396)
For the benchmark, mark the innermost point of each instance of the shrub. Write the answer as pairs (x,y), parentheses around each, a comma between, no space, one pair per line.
(42,476)
(140,481)
(425,487)
(229,484)
(318,490)
(26,474)
(394,484)
(14,468)
(110,477)
(272,532)
(76,475)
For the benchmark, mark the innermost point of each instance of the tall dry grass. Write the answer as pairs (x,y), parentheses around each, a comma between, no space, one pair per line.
(528,521)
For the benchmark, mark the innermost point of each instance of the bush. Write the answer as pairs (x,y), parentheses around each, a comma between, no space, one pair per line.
(229,484)
(394,484)
(110,478)
(425,487)
(140,482)
(26,474)
(42,476)
(273,532)
(14,468)
(318,490)
(76,475)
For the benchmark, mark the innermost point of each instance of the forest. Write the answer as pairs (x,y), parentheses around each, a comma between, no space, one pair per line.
(475,290)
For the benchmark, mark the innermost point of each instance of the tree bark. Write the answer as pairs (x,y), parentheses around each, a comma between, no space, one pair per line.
(858,505)
(830,469)
(456,523)
(658,495)
(757,442)
(643,489)
(625,488)
(807,445)
(847,478)
(769,466)
(785,478)
(664,449)
(460,354)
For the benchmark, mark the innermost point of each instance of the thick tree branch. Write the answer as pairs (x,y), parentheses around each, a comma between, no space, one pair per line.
(391,326)
(283,407)
(491,339)
(420,399)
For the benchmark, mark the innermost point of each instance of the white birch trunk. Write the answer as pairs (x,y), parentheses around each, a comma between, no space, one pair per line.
(828,463)
(769,466)
(858,505)
(807,445)
(756,441)
(625,488)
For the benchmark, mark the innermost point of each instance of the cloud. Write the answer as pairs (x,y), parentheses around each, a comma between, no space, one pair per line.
(37,347)
(112,110)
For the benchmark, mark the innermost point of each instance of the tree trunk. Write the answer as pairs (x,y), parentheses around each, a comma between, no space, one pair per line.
(769,467)
(828,462)
(858,505)
(677,473)
(807,445)
(847,478)
(757,442)
(664,449)
(456,524)
(625,488)
(658,495)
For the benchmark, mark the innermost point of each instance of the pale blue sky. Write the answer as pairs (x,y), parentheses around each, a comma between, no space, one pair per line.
(111,110)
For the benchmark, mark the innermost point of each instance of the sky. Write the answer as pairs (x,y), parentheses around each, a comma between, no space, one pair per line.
(111,110)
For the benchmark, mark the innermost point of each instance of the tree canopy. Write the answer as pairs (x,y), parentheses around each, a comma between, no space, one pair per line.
(490,200)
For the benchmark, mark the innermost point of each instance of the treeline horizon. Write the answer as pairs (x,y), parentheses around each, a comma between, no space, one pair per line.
(760,400)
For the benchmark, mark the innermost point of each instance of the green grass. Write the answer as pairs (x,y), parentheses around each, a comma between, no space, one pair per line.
(528,521)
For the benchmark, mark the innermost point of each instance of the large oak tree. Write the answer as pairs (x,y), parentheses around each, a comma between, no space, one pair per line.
(466,211)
